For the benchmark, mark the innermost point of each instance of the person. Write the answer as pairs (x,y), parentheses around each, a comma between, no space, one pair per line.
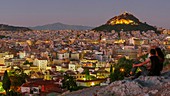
(161,57)
(153,65)
(134,69)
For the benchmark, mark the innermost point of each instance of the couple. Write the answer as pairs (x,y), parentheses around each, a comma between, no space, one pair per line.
(152,66)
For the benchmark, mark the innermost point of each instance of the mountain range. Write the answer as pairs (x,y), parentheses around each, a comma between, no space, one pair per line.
(125,22)
(122,22)
(61,26)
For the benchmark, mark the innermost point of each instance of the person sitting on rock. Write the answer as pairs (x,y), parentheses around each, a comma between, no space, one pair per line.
(153,69)
(161,57)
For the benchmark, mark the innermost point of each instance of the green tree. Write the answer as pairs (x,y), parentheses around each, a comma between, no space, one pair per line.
(6,82)
(72,83)
(87,71)
(14,93)
(111,68)
(69,83)
(166,62)
(111,76)
(27,62)
(18,79)
(87,74)
(122,69)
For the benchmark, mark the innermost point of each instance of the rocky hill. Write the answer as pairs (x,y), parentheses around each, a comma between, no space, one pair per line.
(61,26)
(142,86)
(125,22)
(4,27)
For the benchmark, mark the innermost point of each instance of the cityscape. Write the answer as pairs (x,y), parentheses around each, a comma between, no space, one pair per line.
(74,60)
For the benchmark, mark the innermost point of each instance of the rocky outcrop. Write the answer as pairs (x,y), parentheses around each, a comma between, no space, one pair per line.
(142,86)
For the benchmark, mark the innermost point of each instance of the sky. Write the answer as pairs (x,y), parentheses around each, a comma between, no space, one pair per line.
(82,12)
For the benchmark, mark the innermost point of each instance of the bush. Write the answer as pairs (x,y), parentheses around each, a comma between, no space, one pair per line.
(122,69)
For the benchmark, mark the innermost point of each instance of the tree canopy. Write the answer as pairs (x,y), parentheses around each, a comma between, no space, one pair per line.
(69,83)
(122,69)
(6,82)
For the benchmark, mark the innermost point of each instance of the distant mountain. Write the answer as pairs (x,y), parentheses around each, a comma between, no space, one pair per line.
(4,27)
(61,26)
(125,22)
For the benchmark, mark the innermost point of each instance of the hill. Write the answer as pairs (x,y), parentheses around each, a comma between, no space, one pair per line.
(125,22)
(4,27)
(61,26)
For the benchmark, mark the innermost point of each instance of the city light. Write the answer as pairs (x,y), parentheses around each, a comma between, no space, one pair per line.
(92,84)
(121,21)
(122,69)
(104,39)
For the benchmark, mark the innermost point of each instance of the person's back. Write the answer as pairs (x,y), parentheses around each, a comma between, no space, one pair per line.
(155,66)
(161,57)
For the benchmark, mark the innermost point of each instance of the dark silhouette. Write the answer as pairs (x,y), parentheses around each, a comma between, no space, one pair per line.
(6,83)
(155,64)
(152,69)
(161,57)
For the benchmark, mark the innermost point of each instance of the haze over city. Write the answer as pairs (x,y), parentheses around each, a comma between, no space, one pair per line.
(82,12)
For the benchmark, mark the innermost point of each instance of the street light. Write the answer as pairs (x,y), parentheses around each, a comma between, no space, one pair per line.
(92,84)
(122,69)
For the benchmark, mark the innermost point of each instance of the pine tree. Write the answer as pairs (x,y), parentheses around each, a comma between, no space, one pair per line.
(87,74)
(111,68)
(6,83)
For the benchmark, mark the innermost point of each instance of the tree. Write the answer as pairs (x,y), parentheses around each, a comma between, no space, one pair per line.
(6,82)
(72,83)
(111,76)
(87,74)
(122,69)
(69,83)
(27,62)
(14,93)
(17,80)
(111,68)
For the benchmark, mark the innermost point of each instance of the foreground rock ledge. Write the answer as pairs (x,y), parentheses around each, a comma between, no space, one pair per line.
(142,86)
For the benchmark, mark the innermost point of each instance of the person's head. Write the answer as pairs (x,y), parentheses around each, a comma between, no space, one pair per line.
(159,52)
(151,47)
(152,52)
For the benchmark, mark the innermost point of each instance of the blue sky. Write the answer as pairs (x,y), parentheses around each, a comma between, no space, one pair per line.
(82,12)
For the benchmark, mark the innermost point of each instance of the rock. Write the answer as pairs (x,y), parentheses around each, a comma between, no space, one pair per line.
(123,89)
(153,92)
(142,86)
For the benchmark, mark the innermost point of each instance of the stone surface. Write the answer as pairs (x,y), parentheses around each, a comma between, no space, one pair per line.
(142,86)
